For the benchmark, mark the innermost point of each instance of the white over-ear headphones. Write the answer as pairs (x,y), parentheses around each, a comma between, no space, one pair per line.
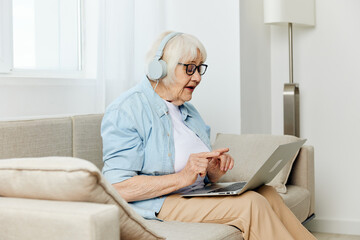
(157,67)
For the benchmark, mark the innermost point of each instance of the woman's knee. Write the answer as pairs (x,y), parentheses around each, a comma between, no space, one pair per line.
(270,194)
(255,198)
(266,189)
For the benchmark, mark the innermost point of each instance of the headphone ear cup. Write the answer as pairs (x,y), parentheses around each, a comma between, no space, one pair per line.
(157,69)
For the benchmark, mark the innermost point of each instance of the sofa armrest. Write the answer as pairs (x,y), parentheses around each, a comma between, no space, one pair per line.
(57,220)
(302,173)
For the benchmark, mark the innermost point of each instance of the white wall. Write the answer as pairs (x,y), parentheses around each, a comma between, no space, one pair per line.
(216,24)
(326,65)
(255,69)
(31,98)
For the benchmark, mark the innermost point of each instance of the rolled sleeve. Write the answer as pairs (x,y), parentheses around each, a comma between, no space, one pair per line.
(123,151)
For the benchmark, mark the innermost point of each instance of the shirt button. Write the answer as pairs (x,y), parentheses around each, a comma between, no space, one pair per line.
(168,135)
(169,154)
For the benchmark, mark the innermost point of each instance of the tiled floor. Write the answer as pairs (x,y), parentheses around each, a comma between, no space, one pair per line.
(329,236)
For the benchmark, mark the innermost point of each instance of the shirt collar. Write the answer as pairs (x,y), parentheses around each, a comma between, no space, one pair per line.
(160,106)
(184,112)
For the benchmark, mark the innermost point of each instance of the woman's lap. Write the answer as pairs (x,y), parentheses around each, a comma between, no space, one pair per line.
(259,214)
(210,209)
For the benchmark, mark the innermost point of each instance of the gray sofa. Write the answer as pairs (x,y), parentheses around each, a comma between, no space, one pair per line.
(48,211)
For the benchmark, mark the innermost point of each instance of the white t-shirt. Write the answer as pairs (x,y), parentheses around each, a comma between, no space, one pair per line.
(186,142)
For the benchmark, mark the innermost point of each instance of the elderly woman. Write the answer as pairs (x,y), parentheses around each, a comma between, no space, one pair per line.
(156,145)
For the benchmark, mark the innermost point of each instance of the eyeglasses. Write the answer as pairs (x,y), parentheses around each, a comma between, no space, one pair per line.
(191,68)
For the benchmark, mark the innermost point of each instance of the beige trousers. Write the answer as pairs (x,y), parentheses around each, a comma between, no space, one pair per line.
(260,214)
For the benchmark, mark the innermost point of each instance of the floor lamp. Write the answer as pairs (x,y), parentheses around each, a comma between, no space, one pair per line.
(290,12)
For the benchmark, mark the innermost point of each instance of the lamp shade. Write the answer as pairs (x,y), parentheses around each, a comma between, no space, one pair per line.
(289,11)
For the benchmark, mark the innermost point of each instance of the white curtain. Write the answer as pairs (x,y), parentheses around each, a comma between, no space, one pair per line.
(126,31)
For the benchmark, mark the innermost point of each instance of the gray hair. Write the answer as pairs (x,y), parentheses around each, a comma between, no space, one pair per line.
(181,48)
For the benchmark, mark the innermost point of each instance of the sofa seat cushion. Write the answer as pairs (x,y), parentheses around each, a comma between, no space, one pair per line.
(68,179)
(298,200)
(174,230)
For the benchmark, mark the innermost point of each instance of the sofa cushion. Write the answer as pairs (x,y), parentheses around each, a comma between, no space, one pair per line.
(22,218)
(87,138)
(174,230)
(250,152)
(68,179)
(36,138)
(298,200)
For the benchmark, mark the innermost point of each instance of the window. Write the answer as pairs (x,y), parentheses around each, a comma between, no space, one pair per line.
(46,36)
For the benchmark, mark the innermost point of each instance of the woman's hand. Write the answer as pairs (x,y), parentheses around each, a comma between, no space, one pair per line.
(140,187)
(219,165)
(197,164)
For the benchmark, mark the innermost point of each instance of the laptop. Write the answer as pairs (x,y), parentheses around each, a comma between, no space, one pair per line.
(272,166)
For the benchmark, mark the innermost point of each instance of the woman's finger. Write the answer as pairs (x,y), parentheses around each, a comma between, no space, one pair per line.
(232,162)
(205,154)
(222,159)
(198,165)
(228,162)
(221,150)
(202,165)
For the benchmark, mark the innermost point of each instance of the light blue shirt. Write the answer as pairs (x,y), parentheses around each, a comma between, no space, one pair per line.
(138,139)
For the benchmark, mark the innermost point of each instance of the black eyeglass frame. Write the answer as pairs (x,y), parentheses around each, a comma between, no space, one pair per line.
(196,67)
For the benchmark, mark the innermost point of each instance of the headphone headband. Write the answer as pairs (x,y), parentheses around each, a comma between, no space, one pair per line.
(163,43)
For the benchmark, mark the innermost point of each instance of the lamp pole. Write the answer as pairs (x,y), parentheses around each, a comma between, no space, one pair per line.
(291,96)
(291,75)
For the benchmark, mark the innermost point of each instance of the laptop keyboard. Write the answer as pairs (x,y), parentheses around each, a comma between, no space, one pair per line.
(232,187)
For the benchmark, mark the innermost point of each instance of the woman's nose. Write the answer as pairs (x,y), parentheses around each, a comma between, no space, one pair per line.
(196,76)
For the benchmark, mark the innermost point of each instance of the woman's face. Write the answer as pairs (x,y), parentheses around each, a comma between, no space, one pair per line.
(183,86)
